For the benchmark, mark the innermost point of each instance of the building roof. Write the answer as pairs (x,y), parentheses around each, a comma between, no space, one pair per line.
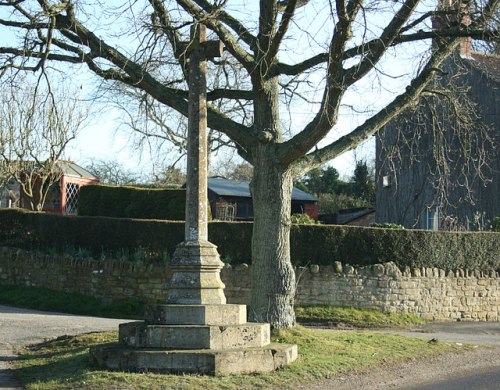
(346,216)
(241,188)
(71,169)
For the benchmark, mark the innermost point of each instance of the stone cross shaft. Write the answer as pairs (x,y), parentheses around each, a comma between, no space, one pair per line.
(196,264)
(198,51)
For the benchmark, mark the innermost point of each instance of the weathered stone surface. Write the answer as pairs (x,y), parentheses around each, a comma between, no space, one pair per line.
(392,270)
(195,276)
(234,361)
(378,269)
(141,335)
(196,314)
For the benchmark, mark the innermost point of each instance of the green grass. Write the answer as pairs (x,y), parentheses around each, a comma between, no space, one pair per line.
(65,364)
(353,317)
(72,303)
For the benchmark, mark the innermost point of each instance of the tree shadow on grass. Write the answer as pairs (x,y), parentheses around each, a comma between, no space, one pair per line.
(64,360)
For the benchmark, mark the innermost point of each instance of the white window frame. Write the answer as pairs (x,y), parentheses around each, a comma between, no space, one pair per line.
(432,218)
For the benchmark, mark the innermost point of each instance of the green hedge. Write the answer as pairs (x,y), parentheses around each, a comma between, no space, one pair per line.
(415,248)
(101,235)
(132,202)
(310,244)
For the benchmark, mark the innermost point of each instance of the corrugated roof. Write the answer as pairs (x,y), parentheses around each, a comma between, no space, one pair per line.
(241,188)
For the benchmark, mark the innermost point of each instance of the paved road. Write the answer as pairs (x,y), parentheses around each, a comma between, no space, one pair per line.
(482,333)
(21,327)
(482,380)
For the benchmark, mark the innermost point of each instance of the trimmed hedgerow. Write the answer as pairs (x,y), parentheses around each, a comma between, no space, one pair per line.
(132,202)
(310,244)
(415,248)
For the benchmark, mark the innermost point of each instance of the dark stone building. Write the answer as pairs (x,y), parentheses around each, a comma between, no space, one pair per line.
(423,179)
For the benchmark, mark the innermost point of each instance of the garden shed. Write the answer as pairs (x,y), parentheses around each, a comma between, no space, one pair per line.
(231,200)
(62,197)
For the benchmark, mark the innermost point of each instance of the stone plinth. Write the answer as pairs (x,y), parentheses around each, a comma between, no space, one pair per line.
(200,339)
(204,361)
(142,335)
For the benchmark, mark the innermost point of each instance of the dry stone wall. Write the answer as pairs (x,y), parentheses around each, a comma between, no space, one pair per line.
(428,292)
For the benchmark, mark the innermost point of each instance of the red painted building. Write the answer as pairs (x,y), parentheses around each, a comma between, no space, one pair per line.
(63,195)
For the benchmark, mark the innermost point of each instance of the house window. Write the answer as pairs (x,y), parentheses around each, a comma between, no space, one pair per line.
(432,218)
(72,191)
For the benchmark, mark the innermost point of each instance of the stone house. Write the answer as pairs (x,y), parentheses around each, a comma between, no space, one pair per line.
(408,191)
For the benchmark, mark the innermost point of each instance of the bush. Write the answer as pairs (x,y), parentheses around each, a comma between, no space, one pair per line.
(310,244)
(387,225)
(495,224)
(304,219)
(132,202)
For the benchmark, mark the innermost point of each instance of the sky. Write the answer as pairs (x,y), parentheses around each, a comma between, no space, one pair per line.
(105,138)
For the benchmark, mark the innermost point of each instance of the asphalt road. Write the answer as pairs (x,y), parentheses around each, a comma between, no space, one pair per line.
(481,333)
(483,380)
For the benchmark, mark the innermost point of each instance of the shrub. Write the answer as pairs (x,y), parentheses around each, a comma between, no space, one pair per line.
(495,224)
(304,219)
(387,225)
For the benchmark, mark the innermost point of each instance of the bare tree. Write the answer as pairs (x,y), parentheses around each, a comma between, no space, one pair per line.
(279,62)
(34,132)
(233,170)
(111,172)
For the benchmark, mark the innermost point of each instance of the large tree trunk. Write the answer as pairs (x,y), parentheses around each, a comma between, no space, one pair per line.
(273,277)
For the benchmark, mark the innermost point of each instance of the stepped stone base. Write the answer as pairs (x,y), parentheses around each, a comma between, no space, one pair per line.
(118,357)
(199,339)
(142,335)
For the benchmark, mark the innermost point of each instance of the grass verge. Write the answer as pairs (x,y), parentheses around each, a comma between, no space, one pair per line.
(334,316)
(65,364)
(72,303)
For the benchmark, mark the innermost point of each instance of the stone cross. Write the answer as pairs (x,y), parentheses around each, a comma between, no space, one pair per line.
(196,264)
(196,330)
(198,51)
